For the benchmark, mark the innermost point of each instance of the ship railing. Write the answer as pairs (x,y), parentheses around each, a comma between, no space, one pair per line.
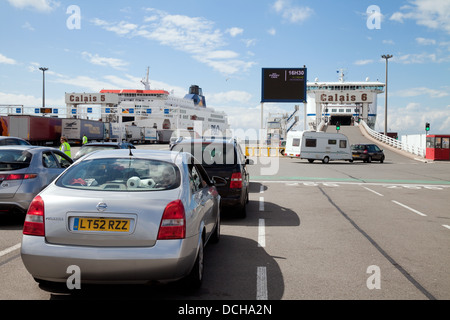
(416,150)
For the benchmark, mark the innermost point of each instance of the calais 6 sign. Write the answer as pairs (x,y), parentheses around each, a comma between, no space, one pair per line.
(283,85)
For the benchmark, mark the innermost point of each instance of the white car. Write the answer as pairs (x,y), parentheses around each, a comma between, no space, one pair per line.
(124,216)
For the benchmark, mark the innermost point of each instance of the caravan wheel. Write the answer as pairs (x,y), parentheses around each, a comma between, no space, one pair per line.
(326,160)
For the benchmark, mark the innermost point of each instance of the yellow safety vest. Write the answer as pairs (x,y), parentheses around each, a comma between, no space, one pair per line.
(85,140)
(66,148)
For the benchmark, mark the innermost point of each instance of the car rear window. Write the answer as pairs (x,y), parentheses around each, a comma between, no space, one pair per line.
(358,147)
(130,175)
(14,159)
(210,154)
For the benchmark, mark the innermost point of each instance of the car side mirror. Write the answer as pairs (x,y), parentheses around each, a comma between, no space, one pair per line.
(249,161)
(219,181)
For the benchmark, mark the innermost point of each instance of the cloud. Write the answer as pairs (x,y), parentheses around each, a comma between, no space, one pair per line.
(414,92)
(195,36)
(363,62)
(39,5)
(419,58)
(6,60)
(292,13)
(433,14)
(28,101)
(103,61)
(407,120)
(425,42)
(234,31)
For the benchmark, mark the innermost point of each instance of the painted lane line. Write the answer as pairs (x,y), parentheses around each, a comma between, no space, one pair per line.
(261,233)
(261,199)
(373,191)
(10,249)
(261,283)
(446,226)
(261,203)
(411,209)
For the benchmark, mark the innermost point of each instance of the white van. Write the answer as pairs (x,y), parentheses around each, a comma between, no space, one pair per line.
(314,145)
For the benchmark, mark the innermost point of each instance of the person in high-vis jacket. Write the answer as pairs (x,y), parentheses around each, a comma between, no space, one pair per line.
(65,146)
(85,139)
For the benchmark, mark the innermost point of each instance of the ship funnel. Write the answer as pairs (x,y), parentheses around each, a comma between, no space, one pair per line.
(196,94)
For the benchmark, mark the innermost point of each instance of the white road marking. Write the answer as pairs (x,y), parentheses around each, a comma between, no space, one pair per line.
(374,192)
(261,283)
(10,249)
(446,226)
(411,209)
(261,233)
(261,203)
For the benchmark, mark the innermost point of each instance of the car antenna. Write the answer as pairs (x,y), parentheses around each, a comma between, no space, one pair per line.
(130,154)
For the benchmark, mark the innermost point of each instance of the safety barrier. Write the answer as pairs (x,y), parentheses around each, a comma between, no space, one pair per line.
(264,151)
(393,142)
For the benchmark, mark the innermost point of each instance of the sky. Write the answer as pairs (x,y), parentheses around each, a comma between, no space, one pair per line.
(222,46)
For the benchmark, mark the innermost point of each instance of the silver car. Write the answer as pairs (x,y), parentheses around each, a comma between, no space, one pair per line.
(124,216)
(24,171)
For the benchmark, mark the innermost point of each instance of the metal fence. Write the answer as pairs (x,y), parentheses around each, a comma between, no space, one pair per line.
(419,151)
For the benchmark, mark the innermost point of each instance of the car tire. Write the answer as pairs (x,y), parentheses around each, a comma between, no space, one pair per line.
(195,277)
(325,160)
(215,237)
(369,159)
(382,159)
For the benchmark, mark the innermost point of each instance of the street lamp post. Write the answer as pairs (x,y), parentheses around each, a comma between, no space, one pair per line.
(43,85)
(386,57)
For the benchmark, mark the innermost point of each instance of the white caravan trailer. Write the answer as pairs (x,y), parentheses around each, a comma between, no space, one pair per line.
(314,145)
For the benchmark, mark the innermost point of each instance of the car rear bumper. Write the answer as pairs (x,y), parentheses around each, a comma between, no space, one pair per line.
(167,260)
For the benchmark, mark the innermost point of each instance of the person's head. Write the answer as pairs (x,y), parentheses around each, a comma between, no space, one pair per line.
(63,139)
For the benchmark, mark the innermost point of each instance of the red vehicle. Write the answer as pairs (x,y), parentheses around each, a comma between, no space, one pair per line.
(437,147)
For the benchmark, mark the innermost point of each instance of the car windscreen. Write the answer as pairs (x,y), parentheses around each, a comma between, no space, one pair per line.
(14,159)
(121,174)
(210,154)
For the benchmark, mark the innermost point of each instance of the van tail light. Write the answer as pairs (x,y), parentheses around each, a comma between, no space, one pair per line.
(236,181)
(34,220)
(173,222)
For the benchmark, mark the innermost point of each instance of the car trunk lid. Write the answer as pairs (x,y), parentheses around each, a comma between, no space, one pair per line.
(104,219)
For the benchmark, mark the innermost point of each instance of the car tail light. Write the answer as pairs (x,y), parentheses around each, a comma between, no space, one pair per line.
(236,180)
(17,176)
(173,222)
(365,151)
(34,220)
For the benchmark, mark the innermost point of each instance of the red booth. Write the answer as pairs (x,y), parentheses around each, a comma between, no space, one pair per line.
(438,147)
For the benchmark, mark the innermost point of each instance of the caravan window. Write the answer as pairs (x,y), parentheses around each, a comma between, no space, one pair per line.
(295,142)
(310,143)
(342,143)
(331,141)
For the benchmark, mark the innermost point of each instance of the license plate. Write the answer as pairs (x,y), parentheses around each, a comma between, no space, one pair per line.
(101,224)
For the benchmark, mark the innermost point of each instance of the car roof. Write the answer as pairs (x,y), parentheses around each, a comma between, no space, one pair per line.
(10,137)
(26,147)
(171,156)
(103,143)
(209,140)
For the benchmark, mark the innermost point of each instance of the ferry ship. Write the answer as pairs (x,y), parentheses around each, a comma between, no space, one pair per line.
(341,101)
(163,111)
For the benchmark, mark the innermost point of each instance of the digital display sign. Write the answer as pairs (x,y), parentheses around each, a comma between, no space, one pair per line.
(283,85)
